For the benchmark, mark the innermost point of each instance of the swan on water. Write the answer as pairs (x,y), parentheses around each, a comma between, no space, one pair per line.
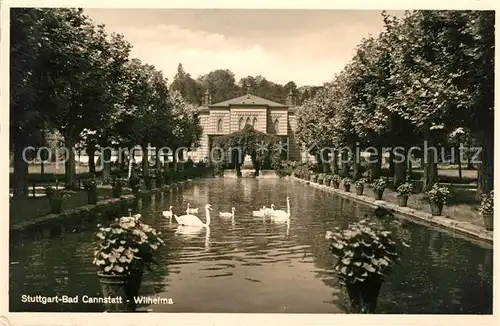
(168,213)
(191,210)
(193,220)
(264,211)
(227,214)
(281,214)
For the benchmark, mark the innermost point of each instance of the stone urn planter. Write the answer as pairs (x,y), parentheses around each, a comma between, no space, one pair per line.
(488,221)
(363,296)
(377,194)
(55,205)
(402,201)
(360,186)
(486,210)
(92,197)
(347,188)
(436,208)
(335,184)
(321,180)
(117,191)
(56,196)
(91,187)
(124,287)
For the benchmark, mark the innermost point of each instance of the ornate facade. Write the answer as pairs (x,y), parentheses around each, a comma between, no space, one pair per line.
(232,115)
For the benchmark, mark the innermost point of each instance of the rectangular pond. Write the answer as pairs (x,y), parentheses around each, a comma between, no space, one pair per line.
(252,265)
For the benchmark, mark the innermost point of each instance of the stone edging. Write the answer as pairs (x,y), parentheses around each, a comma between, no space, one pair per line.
(469,230)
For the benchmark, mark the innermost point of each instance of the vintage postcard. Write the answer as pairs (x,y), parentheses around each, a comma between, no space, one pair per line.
(257,163)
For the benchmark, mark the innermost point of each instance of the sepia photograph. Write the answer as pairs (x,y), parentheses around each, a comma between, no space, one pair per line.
(257,161)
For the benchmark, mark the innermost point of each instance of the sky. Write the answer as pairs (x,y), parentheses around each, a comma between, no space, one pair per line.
(305,46)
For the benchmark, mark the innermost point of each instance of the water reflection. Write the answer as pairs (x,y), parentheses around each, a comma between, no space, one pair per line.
(193,232)
(250,264)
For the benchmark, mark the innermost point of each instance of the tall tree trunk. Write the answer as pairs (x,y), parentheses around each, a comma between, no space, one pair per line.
(121,160)
(334,164)
(391,162)
(145,160)
(20,177)
(105,162)
(375,165)
(158,160)
(345,164)
(485,167)
(400,164)
(430,175)
(90,150)
(69,141)
(356,161)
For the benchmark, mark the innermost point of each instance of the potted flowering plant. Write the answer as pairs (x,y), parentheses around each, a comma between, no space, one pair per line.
(437,198)
(321,178)
(379,186)
(328,179)
(90,186)
(313,177)
(347,184)
(486,210)
(56,196)
(117,185)
(366,252)
(360,186)
(404,191)
(123,250)
(336,181)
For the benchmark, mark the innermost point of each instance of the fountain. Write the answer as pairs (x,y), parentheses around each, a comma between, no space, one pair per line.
(247,169)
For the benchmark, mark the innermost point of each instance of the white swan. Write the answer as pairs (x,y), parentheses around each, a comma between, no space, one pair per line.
(191,210)
(168,213)
(263,212)
(193,220)
(227,214)
(281,214)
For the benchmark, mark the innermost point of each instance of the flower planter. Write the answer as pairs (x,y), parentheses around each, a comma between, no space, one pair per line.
(436,208)
(347,188)
(488,221)
(125,287)
(55,205)
(92,197)
(363,296)
(117,192)
(335,185)
(359,190)
(320,181)
(328,183)
(402,201)
(377,194)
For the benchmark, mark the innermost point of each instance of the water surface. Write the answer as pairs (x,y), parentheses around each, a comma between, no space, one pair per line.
(249,265)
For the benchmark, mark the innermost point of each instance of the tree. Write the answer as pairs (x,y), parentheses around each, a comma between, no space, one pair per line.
(221,85)
(190,89)
(27,30)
